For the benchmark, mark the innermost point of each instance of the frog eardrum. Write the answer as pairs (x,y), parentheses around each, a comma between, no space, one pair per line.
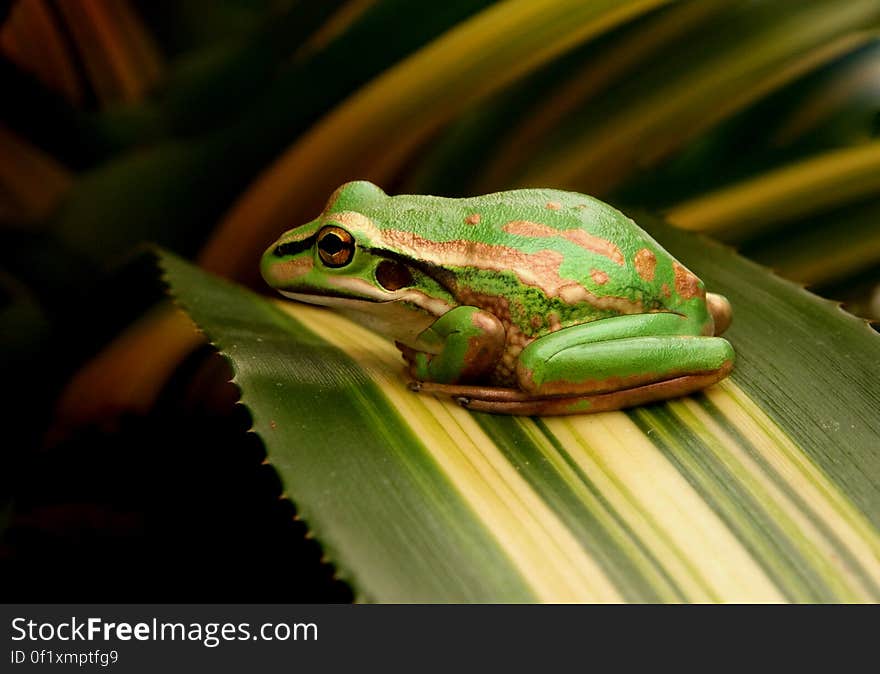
(531,301)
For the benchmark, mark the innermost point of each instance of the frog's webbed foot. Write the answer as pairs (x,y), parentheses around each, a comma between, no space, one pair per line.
(462,345)
(409,356)
(463,392)
(512,401)
(501,400)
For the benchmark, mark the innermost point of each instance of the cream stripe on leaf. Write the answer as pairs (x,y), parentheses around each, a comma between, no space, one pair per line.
(777,535)
(804,364)
(858,543)
(693,544)
(626,559)
(546,552)
(575,448)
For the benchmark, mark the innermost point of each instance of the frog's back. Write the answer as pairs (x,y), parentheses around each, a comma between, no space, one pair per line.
(530,228)
(570,257)
(501,218)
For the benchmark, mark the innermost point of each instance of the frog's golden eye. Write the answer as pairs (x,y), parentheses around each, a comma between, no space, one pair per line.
(335,246)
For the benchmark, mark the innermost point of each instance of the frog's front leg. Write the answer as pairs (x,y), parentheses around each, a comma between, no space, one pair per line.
(463,345)
(613,363)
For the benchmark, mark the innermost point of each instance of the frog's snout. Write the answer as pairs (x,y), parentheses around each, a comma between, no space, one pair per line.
(268,263)
(721,311)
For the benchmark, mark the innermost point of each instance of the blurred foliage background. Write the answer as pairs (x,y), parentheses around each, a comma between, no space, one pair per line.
(210,127)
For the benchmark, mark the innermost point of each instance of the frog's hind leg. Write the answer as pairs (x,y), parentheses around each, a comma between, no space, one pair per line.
(613,363)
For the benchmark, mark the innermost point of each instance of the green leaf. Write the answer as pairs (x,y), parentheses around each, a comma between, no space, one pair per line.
(722,68)
(826,100)
(509,126)
(817,183)
(764,488)
(830,246)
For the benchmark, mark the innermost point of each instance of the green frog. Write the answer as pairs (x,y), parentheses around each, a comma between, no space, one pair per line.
(532,301)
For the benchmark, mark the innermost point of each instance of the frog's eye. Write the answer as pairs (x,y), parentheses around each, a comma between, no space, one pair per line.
(335,246)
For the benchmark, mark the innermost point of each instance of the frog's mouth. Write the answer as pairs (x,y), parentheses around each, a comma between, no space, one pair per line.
(402,319)
(346,291)
(340,299)
(336,300)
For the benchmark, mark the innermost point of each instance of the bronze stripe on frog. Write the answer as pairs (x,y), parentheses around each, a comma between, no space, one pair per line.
(539,269)
(579,237)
